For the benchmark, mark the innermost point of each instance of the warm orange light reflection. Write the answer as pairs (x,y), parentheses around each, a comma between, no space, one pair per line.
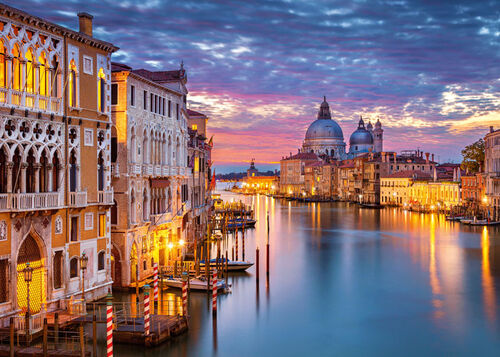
(489,295)
(433,272)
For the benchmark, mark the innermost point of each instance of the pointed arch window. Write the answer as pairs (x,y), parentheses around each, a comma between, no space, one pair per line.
(16,68)
(101,95)
(55,77)
(72,85)
(30,72)
(3,67)
(43,77)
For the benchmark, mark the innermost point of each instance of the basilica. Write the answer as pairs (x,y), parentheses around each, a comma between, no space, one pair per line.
(324,137)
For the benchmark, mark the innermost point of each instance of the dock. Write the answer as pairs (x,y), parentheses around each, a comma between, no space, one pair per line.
(38,352)
(162,328)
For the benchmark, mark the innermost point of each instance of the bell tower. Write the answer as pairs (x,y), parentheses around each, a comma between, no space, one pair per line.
(378,137)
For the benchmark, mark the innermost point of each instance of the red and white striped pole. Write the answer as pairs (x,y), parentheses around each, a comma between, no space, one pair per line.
(146,310)
(237,238)
(184,294)
(109,325)
(155,282)
(214,292)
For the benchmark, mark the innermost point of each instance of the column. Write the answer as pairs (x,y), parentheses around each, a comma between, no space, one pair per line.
(78,187)
(36,84)
(23,81)
(24,166)
(36,168)
(50,167)
(60,177)
(10,166)
(8,82)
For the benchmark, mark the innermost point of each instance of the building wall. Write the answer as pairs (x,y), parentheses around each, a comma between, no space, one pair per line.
(492,172)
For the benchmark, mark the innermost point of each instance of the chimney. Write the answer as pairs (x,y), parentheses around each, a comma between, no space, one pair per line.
(427,157)
(85,23)
(432,158)
(394,154)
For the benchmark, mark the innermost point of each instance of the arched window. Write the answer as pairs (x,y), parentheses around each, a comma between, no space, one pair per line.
(30,172)
(133,145)
(100,260)
(114,213)
(3,171)
(132,208)
(72,172)
(55,77)
(152,262)
(101,95)
(73,267)
(55,173)
(144,265)
(30,72)
(43,173)
(43,77)
(144,148)
(16,68)
(58,270)
(169,151)
(145,206)
(16,171)
(3,67)
(100,172)
(72,85)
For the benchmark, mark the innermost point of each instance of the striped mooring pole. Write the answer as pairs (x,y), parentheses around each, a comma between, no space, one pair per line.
(109,325)
(237,234)
(214,292)
(155,282)
(146,310)
(184,293)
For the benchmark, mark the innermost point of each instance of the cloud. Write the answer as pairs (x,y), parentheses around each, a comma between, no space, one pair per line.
(428,70)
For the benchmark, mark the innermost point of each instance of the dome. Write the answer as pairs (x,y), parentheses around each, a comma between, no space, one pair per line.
(324,129)
(361,136)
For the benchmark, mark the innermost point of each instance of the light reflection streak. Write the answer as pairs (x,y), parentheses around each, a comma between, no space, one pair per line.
(489,295)
(433,274)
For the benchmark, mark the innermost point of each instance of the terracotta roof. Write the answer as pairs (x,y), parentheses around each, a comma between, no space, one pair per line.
(303,156)
(347,166)
(415,174)
(195,113)
(315,163)
(118,67)
(161,76)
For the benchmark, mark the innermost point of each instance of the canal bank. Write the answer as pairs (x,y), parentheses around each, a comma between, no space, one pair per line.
(351,281)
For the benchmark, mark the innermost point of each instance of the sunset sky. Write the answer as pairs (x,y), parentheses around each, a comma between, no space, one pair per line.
(259,69)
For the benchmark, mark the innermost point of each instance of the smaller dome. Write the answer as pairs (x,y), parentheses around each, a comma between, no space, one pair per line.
(378,124)
(369,126)
(361,136)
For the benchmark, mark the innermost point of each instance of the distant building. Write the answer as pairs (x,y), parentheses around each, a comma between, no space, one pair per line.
(292,172)
(252,171)
(492,172)
(395,188)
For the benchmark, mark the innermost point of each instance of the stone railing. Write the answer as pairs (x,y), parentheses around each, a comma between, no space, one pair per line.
(78,199)
(105,197)
(147,170)
(29,201)
(30,100)
(115,169)
(135,169)
(157,170)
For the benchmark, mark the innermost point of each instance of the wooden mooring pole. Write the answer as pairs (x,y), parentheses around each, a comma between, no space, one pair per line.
(12,329)
(82,341)
(44,343)
(257,264)
(56,327)
(94,335)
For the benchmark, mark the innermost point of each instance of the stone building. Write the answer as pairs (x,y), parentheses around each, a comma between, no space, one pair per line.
(395,188)
(292,175)
(199,159)
(150,176)
(55,186)
(492,173)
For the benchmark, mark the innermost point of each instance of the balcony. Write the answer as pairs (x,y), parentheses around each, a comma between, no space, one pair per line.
(135,169)
(115,170)
(105,197)
(157,170)
(78,199)
(28,100)
(165,171)
(29,201)
(147,170)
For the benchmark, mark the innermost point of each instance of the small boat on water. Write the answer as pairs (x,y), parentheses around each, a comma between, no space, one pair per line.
(455,218)
(483,222)
(232,265)
(239,223)
(199,284)
(466,221)
(370,205)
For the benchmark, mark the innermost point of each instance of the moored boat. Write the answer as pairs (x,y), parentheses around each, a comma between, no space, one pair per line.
(232,265)
(199,284)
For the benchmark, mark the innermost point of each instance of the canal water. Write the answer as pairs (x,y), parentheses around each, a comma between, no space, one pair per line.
(351,281)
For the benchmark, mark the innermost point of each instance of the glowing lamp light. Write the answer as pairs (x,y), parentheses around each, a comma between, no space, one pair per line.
(485,200)
(432,207)
(170,245)
(28,273)
(83,261)
(303,194)
(181,242)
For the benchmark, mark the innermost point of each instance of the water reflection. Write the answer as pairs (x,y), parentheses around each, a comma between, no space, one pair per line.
(401,282)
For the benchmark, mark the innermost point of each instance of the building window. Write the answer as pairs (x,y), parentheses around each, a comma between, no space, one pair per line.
(58,260)
(114,213)
(156,103)
(4,280)
(87,65)
(177,110)
(74,229)
(145,104)
(169,108)
(101,95)
(100,260)
(144,265)
(43,75)
(16,68)
(89,221)
(163,106)
(151,102)
(114,94)
(72,84)
(132,96)
(194,127)
(73,268)
(3,67)
(102,225)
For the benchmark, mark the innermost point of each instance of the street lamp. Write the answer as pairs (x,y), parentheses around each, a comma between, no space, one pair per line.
(28,277)
(83,265)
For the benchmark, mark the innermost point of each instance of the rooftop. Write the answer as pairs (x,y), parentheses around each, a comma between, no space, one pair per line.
(414,174)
